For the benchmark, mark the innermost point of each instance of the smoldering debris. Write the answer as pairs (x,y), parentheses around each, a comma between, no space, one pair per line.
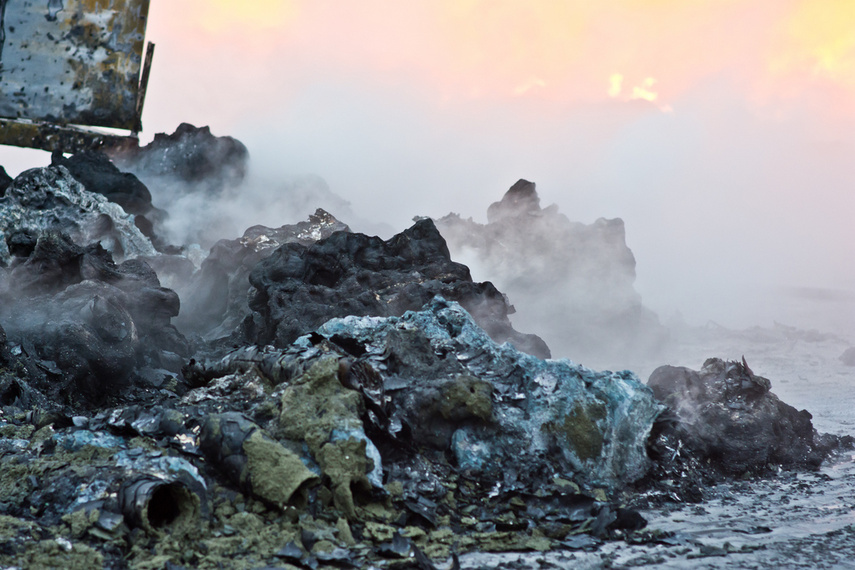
(727,413)
(51,198)
(572,283)
(99,175)
(190,154)
(724,422)
(327,398)
(5,180)
(202,189)
(298,288)
(215,297)
(86,326)
(188,174)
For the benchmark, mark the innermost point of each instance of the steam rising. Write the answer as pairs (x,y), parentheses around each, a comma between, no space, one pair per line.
(737,204)
(198,214)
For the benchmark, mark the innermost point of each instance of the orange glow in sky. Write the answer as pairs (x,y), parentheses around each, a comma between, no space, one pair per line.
(820,38)
(564,52)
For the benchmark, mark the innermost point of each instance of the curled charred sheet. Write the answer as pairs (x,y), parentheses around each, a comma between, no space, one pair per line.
(572,282)
(159,505)
(725,416)
(216,296)
(276,364)
(254,461)
(51,199)
(298,287)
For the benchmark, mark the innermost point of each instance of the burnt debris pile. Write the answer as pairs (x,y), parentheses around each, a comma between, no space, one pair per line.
(216,296)
(190,154)
(724,421)
(53,199)
(84,329)
(186,173)
(573,283)
(308,396)
(298,287)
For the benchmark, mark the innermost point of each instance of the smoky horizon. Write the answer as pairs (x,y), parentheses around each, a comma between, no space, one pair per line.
(727,159)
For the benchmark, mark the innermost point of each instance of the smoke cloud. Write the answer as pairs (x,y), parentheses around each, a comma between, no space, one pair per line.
(731,172)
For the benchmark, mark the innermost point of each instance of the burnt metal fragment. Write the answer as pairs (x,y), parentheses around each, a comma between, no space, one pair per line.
(159,505)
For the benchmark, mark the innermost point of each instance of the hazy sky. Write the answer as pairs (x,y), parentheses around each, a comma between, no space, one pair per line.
(721,131)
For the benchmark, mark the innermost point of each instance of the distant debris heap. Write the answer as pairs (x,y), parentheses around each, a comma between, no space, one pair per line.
(570,282)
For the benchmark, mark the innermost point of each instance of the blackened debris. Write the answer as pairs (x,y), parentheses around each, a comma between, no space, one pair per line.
(5,180)
(98,174)
(190,154)
(216,296)
(51,199)
(726,418)
(299,287)
(91,325)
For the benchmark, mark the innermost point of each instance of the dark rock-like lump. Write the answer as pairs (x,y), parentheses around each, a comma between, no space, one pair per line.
(299,287)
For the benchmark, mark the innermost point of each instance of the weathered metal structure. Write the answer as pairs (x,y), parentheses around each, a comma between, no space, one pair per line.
(66,65)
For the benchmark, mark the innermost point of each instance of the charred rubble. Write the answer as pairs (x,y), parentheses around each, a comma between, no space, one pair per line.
(5,180)
(91,329)
(216,296)
(298,288)
(190,154)
(52,199)
(723,421)
(572,282)
(310,397)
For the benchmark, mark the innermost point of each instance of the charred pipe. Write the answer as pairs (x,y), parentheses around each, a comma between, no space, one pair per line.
(159,505)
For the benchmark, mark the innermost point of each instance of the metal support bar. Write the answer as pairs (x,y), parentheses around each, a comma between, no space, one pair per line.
(50,137)
(149,54)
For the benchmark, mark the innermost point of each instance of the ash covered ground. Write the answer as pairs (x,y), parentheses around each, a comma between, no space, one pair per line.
(307,396)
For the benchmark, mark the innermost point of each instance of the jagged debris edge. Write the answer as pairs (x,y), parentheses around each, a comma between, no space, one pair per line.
(600,421)
(51,198)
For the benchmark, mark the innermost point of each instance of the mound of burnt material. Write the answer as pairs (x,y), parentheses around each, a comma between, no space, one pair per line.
(501,413)
(83,329)
(727,420)
(571,282)
(215,299)
(98,174)
(51,199)
(192,155)
(299,287)
(372,442)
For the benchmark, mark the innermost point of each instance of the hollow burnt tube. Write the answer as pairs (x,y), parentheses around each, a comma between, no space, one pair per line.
(257,463)
(157,504)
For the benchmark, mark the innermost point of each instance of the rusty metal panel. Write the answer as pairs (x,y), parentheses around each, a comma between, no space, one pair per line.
(46,136)
(72,61)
